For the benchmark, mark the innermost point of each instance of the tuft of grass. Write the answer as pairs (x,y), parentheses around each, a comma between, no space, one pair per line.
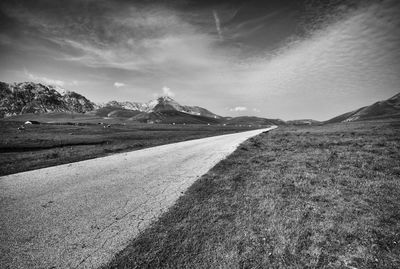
(298,197)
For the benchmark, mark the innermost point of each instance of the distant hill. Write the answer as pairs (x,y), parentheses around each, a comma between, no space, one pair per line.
(246,120)
(303,122)
(29,97)
(173,116)
(386,109)
(113,112)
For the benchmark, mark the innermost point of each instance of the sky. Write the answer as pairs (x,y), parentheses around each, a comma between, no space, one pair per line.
(275,59)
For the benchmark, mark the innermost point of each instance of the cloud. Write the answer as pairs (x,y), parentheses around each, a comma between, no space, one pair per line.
(333,60)
(167,92)
(238,109)
(107,41)
(348,64)
(45,80)
(118,84)
(49,81)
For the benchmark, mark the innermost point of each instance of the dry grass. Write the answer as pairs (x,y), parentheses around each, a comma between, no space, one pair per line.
(46,145)
(304,197)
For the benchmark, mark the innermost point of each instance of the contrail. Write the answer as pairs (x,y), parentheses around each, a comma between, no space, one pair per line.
(218,24)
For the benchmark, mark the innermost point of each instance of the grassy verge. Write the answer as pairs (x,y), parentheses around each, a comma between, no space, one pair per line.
(46,145)
(298,197)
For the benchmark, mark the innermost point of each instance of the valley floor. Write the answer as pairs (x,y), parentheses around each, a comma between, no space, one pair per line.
(45,145)
(297,197)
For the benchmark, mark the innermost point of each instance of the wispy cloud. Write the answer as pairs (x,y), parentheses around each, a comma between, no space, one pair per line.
(218,25)
(45,80)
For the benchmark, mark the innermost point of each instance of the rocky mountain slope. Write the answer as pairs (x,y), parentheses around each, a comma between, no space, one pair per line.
(29,97)
(389,108)
(127,105)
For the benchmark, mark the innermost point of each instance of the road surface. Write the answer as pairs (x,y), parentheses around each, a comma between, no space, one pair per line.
(79,215)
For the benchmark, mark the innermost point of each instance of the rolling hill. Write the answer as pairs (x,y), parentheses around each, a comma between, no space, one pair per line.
(303,122)
(246,120)
(386,109)
(113,112)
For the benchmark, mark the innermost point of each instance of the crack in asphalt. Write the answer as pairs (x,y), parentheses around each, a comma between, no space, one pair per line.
(141,217)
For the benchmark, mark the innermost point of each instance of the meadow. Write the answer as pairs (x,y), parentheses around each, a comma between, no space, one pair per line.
(50,144)
(296,197)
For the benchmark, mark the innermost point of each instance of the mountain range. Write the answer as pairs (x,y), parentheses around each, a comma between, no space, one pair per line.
(161,104)
(31,98)
(166,110)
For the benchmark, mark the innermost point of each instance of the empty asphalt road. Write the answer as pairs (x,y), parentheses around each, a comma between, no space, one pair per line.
(79,215)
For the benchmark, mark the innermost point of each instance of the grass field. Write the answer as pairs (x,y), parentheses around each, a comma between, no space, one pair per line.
(46,145)
(297,197)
